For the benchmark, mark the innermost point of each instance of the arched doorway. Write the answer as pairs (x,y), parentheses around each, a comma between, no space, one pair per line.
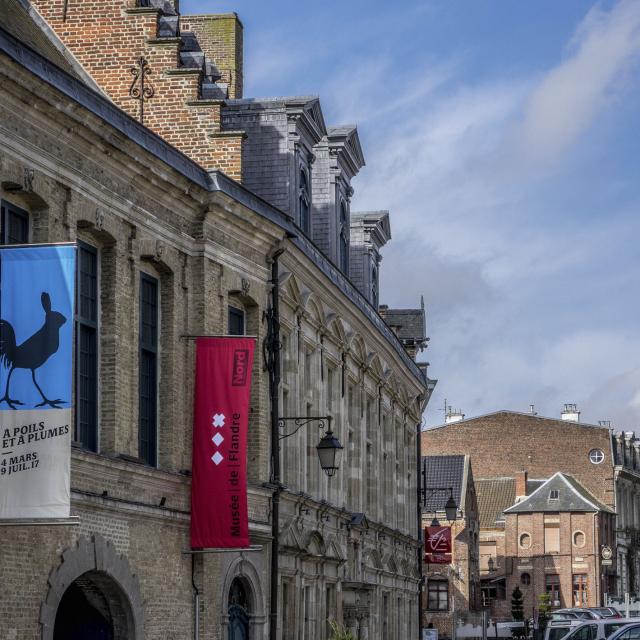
(93,607)
(238,611)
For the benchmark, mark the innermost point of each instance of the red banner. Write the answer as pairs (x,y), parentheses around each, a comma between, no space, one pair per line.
(219,517)
(437,545)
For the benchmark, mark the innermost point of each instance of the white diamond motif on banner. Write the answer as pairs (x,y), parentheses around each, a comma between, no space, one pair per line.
(217,458)
(218,420)
(217,439)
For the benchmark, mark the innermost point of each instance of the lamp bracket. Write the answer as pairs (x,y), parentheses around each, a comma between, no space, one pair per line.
(322,422)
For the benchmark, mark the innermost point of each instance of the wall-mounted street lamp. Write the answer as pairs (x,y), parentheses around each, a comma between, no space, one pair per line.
(450,507)
(329,447)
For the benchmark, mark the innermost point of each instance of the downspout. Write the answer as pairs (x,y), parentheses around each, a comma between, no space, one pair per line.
(196,601)
(272,357)
(419,516)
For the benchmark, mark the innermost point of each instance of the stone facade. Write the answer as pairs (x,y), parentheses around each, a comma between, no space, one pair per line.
(83,170)
(626,452)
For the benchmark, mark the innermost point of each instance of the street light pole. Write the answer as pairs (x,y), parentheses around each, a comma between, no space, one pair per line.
(272,356)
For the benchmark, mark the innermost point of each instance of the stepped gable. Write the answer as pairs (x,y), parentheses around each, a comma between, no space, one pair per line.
(137,52)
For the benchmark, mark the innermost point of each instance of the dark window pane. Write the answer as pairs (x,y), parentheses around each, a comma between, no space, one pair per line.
(86,372)
(86,410)
(148,376)
(15,225)
(236,321)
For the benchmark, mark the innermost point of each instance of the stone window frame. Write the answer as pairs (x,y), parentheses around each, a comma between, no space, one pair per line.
(596,456)
(573,538)
(522,535)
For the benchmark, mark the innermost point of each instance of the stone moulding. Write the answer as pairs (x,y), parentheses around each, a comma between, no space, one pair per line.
(95,555)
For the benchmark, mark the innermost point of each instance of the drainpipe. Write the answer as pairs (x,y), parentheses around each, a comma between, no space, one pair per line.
(419,515)
(272,353)
(196,599)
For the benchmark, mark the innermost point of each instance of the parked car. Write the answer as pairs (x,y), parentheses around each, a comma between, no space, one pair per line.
(582,614)
(601,629)
(606,612)
(558,628)
(629,631)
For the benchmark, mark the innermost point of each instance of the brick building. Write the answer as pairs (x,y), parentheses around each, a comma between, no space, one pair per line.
(159,223)
(452,591)
(554,537)
(603,464)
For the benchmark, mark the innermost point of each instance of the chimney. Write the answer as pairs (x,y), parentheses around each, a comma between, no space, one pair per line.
(532,410)
(221,39)
(453,415)
(521,485)
(570,413)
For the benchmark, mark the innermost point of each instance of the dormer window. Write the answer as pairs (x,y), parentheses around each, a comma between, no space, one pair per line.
(374,285)
(554,495)
(304,202)
(343,239)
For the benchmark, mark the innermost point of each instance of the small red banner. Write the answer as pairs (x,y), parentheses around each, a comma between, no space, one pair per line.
(437,545)
(219,517)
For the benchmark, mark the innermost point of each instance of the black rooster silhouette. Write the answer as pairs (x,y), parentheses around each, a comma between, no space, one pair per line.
(33,352)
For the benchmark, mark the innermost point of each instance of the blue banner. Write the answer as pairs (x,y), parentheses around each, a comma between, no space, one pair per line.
(36,359)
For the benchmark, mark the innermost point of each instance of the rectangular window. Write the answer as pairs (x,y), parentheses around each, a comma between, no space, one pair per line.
(552,583)
(580,590)
(148,378)
(87,347)
(236,321)
(438,595)
(330,608)
(551,537)
(14,224)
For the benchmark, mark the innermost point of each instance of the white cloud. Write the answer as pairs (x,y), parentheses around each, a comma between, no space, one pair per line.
(569,97)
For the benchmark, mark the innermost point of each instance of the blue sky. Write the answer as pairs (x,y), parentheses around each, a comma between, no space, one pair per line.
(503,137)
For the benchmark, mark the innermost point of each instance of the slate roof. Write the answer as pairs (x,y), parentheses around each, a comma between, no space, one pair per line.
(494,496)
(572,496)
(443,471)
(409,324)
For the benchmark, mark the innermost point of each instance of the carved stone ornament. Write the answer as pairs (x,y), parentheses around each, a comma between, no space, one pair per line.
(28,179)
(245,285)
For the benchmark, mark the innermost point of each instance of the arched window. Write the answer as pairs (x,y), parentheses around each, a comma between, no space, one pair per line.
(238,611)
(305,202)
(525,579)
(344,239)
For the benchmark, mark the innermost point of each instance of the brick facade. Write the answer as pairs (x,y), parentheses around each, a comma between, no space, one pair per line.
(540,446)
(110,37)
(537,448)
(462,574)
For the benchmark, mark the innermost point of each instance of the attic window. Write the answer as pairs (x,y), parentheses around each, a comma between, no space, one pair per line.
(304,202)
(554,495)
